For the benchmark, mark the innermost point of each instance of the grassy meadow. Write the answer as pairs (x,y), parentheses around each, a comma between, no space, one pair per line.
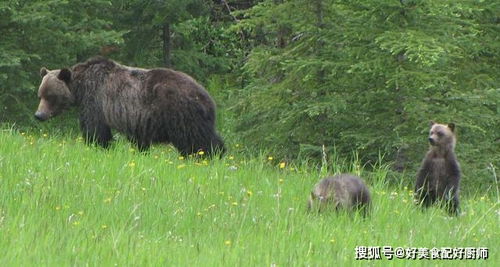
(66,203)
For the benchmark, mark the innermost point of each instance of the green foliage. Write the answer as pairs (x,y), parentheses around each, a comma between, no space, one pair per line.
(203,48)
(47,33)
(369,75)
(289,76)
(143,21)
(200,43)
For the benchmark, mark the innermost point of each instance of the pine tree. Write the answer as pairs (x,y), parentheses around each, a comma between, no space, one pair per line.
(369,75)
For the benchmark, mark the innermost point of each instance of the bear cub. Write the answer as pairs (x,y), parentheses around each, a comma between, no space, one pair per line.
(439,176)
(340,192)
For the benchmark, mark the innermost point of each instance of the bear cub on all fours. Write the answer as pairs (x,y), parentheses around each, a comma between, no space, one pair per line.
(340,192)
(439,176)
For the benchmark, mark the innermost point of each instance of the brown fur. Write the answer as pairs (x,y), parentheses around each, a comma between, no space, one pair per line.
(147,105)
(439,176)
(344,191)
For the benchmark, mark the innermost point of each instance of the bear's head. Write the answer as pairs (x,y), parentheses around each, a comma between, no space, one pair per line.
(441,135)
(322,196)
(54,93)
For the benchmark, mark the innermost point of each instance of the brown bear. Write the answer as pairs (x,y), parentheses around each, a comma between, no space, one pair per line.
(343,191)
(439,176)
(147,105)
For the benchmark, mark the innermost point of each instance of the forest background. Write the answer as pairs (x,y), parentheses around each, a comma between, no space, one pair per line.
(300,78)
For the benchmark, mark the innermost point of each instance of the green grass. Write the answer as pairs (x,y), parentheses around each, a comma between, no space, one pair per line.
(65,203)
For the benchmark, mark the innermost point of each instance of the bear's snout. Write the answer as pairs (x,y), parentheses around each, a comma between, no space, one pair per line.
(432,141)
(41,116)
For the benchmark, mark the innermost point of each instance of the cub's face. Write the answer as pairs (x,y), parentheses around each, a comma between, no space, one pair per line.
(54,93)
(442,135)
(321,198)
(319,203)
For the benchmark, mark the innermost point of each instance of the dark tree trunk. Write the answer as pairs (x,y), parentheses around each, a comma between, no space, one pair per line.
(167,46)
(318,9)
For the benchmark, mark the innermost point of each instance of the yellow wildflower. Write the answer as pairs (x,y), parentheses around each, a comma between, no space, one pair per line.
(227,242)
(270,158)
(282,165)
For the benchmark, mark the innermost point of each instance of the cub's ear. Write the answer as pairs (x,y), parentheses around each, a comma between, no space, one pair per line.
(64,75)
(432,123)
(43,71)
(451,126)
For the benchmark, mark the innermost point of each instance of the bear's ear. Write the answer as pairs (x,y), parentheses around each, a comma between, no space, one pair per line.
(64,75)
(451,126)
(432,123)
(43,71)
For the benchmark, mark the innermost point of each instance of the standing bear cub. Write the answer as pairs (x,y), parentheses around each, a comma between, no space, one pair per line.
(340,192)
(439,176)
(147,105)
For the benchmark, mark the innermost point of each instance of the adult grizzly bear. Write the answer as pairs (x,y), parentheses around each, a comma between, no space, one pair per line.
(439,175)
(343,191)
(147,105)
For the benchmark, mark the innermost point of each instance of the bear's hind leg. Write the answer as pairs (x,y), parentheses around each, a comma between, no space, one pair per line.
(425,199)
(451,202)
(424,196)
(453,206)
